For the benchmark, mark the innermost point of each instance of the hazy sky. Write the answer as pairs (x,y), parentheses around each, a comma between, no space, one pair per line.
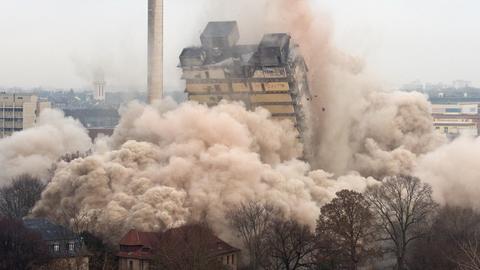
(59,43)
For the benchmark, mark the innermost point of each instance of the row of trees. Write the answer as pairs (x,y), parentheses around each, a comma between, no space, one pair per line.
(396,220)
(21,248)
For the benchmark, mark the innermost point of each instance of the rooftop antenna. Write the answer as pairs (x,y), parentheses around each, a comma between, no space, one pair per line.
(155,50)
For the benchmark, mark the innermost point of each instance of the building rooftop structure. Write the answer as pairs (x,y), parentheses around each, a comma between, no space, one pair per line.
(271,74)
(221,29)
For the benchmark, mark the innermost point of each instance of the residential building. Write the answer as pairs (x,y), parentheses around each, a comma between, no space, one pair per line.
(19,112)
(65,247)
(271,74)
(182,245)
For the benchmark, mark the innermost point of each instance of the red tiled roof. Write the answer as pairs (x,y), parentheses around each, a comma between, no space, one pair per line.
(133,244)
(138,238)
(215,245)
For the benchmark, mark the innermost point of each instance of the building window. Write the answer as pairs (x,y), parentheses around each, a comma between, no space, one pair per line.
(228,259)
(130,265)
(71,246)
(233,258)
(56,248)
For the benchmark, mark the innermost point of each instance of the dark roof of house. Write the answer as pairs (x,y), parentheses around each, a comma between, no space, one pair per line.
(141,245)
(274,40)
(48,230)
(219,29)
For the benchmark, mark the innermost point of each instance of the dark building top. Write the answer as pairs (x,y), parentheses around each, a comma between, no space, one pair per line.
(61,241)
(143,245)
(48,230)
(220,29)
(218,37)
(219,47)
(276,40)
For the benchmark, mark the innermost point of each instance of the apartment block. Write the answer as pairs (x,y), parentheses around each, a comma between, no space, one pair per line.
(19,112)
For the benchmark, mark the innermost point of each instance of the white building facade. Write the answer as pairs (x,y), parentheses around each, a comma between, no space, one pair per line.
(456,119)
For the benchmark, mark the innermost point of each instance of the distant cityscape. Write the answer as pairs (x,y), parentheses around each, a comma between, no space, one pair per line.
(455,106)
(98,114)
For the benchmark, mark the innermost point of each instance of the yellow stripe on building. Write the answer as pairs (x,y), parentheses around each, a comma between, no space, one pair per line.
(270,98)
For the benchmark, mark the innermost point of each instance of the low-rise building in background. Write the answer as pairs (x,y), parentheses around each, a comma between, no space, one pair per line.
(177,248)
(19,112)
(456,119)
(65,248)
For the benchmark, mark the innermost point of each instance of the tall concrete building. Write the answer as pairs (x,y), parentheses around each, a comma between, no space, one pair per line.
(155,50)
(271,74)
(18,112)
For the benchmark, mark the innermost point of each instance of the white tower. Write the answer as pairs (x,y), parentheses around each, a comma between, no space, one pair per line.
(99,86)
(155,50)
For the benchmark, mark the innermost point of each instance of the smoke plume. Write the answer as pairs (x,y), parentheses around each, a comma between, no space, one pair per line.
(452,170)
(168,164)
(193,163)
(34,151)
(353,125)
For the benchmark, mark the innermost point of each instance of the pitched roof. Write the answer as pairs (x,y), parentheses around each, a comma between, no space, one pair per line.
(142,245)
(138,238)
(48,230)
(187,233)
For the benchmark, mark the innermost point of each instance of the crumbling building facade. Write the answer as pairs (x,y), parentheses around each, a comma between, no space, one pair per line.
(271,74)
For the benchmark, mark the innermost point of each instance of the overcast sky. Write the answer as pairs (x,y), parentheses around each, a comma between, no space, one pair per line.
(59,43)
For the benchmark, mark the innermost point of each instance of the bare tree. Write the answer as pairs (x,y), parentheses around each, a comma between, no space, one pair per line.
(18,198)
(252,222)
(20,248)
(290,246)
(102,254)
(190,247)
(452,242)
(403,206)
(346,224)
(470,250)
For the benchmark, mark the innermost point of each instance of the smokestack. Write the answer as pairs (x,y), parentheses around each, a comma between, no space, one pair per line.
(155,50)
